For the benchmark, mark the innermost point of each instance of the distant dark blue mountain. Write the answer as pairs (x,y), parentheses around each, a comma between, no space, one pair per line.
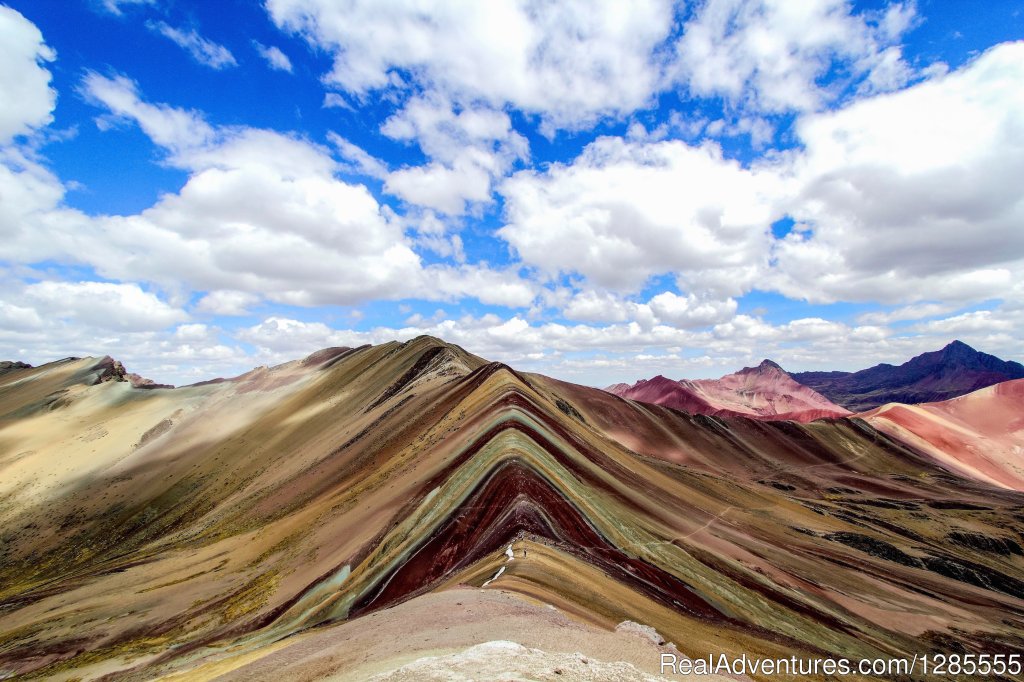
(940,375)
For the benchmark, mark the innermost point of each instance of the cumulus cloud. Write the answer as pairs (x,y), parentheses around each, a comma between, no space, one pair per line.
(261,214)
(103,304)
(913,195)
(469,146)
(573,63)
(17,318)
(979,321)
(666,308)
(201,49)
(890,201)
(177,355)
(25,91)
(30,194)
(591,305)
(569,62)
(626,210)
(51,319)
(690,311)
(772,55)
(491,286)
(227,302)
(439,187)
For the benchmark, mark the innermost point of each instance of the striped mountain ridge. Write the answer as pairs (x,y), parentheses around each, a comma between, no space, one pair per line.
(266,525)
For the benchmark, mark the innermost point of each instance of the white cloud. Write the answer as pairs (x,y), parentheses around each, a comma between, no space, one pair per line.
(893,203)
(469,146)
(443,129)
(489,335)
(624,211)
(30,205)
(276,59)
(177,130)
(25,91)
(571,62)
(227,302)
(980,321)
(261,213)
(690,312)
(487,285)
(591,305)
(772,55)
(914,195)
(666,308)
(442,188)
(333,100)
(916,311)
(204,51)
(103,304)
(359,159)
(30,194)
(17,318)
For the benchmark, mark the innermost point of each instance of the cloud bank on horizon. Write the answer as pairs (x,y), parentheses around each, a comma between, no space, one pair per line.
(596,191)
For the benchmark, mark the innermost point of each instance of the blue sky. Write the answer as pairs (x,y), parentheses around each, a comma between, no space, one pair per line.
(596,192)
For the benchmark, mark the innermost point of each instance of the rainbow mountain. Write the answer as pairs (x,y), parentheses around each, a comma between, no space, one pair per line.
(409,511)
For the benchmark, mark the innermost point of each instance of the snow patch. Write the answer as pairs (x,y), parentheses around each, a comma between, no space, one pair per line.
(496,576)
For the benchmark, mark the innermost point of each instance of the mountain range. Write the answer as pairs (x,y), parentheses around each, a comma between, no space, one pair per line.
(940,375)
(769,392)
(762,392)
(411,511)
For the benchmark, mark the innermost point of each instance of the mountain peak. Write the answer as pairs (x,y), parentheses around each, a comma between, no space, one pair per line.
(766,367)
(762,392)
(934,376)
(958,348)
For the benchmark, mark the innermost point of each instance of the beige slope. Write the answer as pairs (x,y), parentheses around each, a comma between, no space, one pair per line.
(79,431)
(474,634)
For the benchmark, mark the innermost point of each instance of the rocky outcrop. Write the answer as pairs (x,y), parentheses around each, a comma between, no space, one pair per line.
(138,381)
(108,369)
(13,366)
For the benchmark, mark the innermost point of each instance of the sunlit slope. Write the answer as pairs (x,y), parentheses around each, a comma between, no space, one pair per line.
(763,392)
(980,435)
(265,524)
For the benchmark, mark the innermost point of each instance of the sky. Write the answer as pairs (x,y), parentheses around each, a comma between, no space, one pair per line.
(598,191)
